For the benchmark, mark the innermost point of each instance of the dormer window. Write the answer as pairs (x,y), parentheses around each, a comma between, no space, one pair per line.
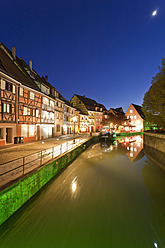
(44,89)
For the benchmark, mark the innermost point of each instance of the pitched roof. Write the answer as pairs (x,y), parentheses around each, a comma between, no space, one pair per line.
(116,111)
(90,103)
(10,66)
(139,110)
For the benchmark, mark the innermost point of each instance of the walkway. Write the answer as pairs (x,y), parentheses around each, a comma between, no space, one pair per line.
(11,152)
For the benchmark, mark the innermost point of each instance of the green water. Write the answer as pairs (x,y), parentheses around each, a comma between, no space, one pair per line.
(113,195)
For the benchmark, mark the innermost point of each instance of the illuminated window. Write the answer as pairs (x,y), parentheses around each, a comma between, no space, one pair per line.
(135,116)
(14,89)
(31,130)
(131,117)
(24,110)
(32,95)
(24,130)
(29,111)
(7,108)
(131,111)
(45,101)
(127,116)
(52,104)
(37,112)
(52,116)
(21,91)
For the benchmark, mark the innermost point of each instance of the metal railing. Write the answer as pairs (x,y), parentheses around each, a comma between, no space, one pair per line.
(14,169)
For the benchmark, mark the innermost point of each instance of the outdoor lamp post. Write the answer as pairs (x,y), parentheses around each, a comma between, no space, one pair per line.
(74,120)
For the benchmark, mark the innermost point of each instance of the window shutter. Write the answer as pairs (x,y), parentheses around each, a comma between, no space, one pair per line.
(2,84)
(21,91)
(13,89)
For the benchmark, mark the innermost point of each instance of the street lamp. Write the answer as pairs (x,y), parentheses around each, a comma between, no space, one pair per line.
(74,120)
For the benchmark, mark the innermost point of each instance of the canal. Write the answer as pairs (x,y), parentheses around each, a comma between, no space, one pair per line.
(112,195)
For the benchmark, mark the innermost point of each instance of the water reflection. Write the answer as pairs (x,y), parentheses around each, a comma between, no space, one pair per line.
(74,185)
(100,200)
(131,146)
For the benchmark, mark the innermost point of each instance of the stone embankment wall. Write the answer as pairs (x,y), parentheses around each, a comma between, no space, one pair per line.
(13,197)
(154,140)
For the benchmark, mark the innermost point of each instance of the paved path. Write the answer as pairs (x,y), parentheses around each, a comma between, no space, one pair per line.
(11,152)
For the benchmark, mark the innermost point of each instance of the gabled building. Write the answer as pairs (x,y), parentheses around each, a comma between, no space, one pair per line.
(21,100)
(92,109)
(51,105)
(135,118)
(29,104)
(114,119)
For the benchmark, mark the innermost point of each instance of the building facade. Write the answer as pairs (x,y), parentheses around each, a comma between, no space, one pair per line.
(135,119)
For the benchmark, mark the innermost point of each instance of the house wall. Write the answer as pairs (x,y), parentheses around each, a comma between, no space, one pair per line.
(133,119)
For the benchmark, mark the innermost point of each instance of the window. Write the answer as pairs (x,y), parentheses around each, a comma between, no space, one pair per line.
(131,111)
(37,112)
(33,112)
(58,128)
(135,116)
(8,86)
(7,108)
(13,89)
(45,115)
(31,130)
(24,110)
(45,101)
(127,116)
(45,89)
(131,117)
(32,95)
(2,84)
(51,103)
(29,111)
(24,130)
(52,116)
(21,91)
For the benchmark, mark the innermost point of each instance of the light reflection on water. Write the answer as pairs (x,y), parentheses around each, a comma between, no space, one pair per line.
(113,195)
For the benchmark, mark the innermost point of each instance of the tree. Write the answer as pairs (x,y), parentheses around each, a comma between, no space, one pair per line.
(154,100)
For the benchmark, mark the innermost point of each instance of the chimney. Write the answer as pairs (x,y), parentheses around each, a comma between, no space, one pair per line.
(46,78)
(30,64)
(14,52)
(84,96)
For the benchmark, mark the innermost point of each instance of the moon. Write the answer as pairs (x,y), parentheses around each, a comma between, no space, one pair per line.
(154,12)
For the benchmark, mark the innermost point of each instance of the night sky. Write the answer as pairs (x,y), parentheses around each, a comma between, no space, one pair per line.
(108,50)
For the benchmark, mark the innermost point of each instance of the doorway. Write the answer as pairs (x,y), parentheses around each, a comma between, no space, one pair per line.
(9,138)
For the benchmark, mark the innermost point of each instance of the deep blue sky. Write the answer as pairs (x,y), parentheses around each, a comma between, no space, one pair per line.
(108,50)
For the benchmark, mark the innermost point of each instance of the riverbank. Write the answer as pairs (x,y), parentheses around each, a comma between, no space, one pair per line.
(155,140)
(16,195)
